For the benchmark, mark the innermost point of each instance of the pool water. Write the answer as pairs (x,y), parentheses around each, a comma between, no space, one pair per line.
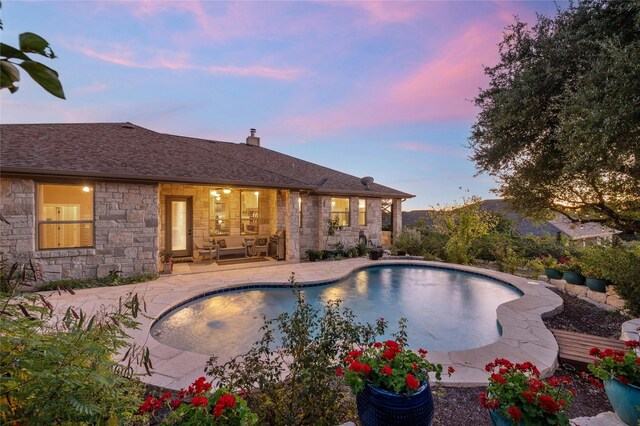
(446,310)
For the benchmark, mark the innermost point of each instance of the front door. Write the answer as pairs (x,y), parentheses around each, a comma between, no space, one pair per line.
(179,235)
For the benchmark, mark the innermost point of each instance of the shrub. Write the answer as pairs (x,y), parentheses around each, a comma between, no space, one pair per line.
(621,266)
(295,381)
(61,370)
(113,279)
(409,240)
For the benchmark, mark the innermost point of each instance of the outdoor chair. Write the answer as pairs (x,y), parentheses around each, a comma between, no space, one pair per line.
(209,251)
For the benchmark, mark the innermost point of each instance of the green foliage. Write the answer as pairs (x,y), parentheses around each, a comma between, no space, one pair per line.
(558,124)
(409,240)
(10,57)
(113,279)
(295,380)
(516,392)
(60,368)
(621,266)
(463,225)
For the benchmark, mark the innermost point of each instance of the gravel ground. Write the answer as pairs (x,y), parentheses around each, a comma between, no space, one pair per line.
(460,406)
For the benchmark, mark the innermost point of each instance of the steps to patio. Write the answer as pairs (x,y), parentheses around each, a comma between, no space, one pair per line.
(574,347)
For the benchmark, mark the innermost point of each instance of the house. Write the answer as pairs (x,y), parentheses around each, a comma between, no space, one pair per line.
(85,199)
(583,234)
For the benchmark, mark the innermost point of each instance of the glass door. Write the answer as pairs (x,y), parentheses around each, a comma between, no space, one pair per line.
(179,235)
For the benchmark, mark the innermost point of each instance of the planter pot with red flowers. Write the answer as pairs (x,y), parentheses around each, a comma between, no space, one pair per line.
(517,396)
(553,273)
(391,384)
(620,372)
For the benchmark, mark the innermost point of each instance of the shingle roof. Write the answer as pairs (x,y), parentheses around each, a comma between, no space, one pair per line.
(527,226)
(129,152)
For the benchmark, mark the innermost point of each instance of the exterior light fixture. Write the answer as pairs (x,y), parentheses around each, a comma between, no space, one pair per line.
(226,191)
(86,189)
(257,193)
(218,198)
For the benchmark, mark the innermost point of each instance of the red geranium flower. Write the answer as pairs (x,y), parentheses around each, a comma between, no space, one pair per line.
(386,370)
(199,401)
(515,413)
(412,382)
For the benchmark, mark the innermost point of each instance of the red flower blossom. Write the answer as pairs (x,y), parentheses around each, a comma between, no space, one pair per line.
(548,404)
(391,344)
(412,382)
(339,372)
(175,403)
(199,401)
(451,370)
(594,351)
(632,343)
(515,413)
(377,344)
(623,380)
(498,378)
(389,354)
(530,397)
(386,370)
(355,354)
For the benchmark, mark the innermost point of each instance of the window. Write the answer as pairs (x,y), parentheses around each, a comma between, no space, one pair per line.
(300,212)
(249,212)
(387,218)
(219,211)
(362,211)
(340,211)
(65,216)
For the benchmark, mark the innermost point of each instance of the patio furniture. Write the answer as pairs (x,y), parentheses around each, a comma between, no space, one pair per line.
(208,250)
(261,245)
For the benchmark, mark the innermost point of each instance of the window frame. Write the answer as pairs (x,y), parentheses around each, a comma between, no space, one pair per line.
(39,222)
(341,213)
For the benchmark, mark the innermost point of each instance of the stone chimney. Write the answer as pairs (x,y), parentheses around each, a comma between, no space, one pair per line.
(253,139)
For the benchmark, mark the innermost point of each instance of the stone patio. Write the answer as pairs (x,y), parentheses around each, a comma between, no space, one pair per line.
(524,338)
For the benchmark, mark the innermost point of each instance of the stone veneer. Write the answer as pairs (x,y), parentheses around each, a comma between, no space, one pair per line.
(316,211)
(125,227)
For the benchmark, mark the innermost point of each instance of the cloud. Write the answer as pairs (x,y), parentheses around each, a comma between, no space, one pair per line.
(127,57)
(92,88)
(439,88)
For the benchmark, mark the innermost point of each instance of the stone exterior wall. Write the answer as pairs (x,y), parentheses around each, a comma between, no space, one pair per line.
(316,211)
(125,227)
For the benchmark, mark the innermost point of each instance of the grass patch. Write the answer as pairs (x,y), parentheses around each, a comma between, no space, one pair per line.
(111,280)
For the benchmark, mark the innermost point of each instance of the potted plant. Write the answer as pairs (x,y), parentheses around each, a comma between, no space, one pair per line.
(391,383)
(594,266)
(197,405)
(594,279)
(167,261)
(517,396)
(313,254)
(620,372)
(571,271)
(551,267)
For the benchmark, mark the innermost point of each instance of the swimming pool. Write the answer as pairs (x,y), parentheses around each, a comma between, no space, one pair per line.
(446,309)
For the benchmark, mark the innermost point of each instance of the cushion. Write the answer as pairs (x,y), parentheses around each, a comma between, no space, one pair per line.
(222,243)
(261,242)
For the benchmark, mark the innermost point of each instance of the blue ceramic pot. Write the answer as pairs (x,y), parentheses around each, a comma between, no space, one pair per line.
(625,400)
(596,284)
(553,274)
(377,407)
(573,278)
(498,420)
